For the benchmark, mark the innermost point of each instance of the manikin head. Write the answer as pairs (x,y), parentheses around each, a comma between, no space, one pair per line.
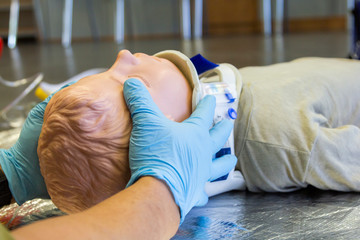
(83,146)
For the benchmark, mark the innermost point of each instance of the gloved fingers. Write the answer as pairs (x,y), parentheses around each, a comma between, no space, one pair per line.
(203,199)
(139,101)
(220,133)
(204,112)
(52,94)
(222,166)
(32,127)
(199,201)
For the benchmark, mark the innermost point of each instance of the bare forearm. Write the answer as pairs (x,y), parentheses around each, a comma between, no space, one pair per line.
(146,210)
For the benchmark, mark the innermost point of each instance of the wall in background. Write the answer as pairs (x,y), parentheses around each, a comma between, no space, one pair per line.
(159,18)
(315,9)
(319,15)
(245,16)
(142,17)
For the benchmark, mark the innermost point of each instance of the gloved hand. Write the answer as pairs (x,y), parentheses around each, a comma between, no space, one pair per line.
(178,153)
(20,163)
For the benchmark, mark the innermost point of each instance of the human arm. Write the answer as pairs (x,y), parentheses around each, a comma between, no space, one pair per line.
(146,210)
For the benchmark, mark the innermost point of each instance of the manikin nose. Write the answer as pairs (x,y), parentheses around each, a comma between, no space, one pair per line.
(126,56)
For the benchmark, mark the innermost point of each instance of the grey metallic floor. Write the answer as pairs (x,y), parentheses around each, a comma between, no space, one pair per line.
(307,214)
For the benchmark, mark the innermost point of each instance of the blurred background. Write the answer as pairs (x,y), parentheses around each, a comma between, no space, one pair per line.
(60,39)
(43,19)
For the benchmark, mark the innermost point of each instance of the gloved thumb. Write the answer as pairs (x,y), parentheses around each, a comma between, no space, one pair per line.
(139,100)
(220,133)
(204,112)
(203,200)
(222,166)
(37,113)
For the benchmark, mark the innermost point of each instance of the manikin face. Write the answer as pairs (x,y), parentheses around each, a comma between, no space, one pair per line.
(166,84)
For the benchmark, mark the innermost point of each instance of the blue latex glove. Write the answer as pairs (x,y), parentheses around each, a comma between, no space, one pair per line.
(178,153)
(20,163)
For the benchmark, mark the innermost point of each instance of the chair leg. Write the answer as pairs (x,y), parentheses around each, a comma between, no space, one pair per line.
(67,23)
(185,19)
(38,11)
(279,18)
(266,9)
(119,25)
(92,20)
(13,23)
(198,18)
(350,5)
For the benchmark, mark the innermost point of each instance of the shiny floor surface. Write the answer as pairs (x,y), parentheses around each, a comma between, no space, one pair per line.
(307,214)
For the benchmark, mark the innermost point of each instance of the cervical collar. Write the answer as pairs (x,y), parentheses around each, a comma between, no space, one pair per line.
(224,82)
(198,70)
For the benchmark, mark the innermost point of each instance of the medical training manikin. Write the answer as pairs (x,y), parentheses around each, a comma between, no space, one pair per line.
(295,124)
(83,145)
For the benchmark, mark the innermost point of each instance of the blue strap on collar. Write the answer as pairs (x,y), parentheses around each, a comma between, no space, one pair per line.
(202,64)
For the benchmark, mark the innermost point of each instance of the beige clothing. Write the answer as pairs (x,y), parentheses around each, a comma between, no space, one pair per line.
(298,125)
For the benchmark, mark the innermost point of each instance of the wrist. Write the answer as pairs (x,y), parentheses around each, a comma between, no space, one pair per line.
(170,179)
(154,200)
(161,189)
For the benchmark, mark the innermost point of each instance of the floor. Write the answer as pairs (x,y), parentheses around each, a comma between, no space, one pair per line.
(305,214)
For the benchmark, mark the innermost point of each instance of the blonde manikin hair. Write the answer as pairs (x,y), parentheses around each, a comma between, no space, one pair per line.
(92,131)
